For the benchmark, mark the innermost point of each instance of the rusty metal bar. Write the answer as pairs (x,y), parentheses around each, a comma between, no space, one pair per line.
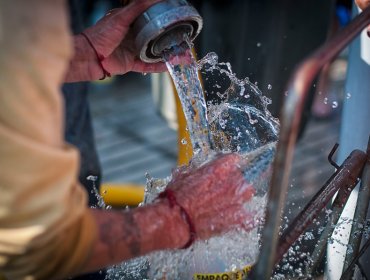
(359,217)
(355,260)
(337,209)
(290,119)
(344,178)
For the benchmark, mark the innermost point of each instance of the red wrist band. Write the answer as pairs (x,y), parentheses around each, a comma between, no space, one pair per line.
(170,195)
(98,56)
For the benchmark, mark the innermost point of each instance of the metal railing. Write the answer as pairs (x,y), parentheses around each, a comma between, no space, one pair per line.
(290,119)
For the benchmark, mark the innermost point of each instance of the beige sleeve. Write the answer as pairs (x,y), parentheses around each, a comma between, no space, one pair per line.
(46,230)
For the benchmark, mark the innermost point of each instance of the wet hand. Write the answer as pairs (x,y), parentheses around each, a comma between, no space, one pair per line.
(112,39)
(214,196)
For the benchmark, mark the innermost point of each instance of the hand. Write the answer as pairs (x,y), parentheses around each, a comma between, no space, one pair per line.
(112,39)
(363,4)
(213,195)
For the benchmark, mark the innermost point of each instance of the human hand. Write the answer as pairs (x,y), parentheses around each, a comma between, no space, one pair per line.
(214,196)
(363,4)
(112,39)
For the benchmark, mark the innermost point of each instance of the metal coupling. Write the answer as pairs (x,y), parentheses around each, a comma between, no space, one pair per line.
(165,25)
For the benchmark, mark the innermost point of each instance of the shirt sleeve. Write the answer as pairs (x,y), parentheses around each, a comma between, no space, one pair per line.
(46,229)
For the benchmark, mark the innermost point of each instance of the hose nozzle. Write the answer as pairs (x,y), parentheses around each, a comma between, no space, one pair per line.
(165,25)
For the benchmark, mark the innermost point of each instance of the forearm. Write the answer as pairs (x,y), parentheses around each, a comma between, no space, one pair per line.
(84,65)
(128,234)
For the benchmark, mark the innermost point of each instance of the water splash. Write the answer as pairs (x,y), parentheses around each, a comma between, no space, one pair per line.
(236,120)
(235,249)
(101,204)
(218,254)
(238,115)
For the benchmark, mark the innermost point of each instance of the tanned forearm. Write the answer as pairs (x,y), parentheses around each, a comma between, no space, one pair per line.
(128,234)
(83,65)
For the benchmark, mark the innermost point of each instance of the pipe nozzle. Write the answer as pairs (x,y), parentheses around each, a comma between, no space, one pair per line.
(165,25)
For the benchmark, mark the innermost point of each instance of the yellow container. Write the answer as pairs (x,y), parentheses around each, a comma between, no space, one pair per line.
(240,274)
(119,195)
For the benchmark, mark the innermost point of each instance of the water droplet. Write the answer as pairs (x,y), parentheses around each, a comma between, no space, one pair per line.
(325,100)
(334,104)
(259,44)
(183,141)
(144,73)
(92,178)
(309,236)
(348,95)
(249,58)
(269,87)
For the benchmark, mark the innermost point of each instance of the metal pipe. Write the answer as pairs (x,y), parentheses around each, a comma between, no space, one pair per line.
(344,178)
(359,217)
(355,260)
(336,211)
(164,25)
(320,248)
(290,119)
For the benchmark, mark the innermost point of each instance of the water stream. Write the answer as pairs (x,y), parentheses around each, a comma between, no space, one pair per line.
(184,73)
(235,119)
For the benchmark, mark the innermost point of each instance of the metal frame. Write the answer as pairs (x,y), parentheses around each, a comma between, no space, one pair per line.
(344,180)
(362,206)
(290,119)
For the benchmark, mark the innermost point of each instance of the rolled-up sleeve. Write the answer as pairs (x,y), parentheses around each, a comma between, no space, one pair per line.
(46,230)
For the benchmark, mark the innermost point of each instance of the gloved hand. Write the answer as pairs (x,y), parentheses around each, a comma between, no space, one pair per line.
(213,195)
(112,40)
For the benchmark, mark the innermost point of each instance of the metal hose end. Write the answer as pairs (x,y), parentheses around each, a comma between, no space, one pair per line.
(164,25)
